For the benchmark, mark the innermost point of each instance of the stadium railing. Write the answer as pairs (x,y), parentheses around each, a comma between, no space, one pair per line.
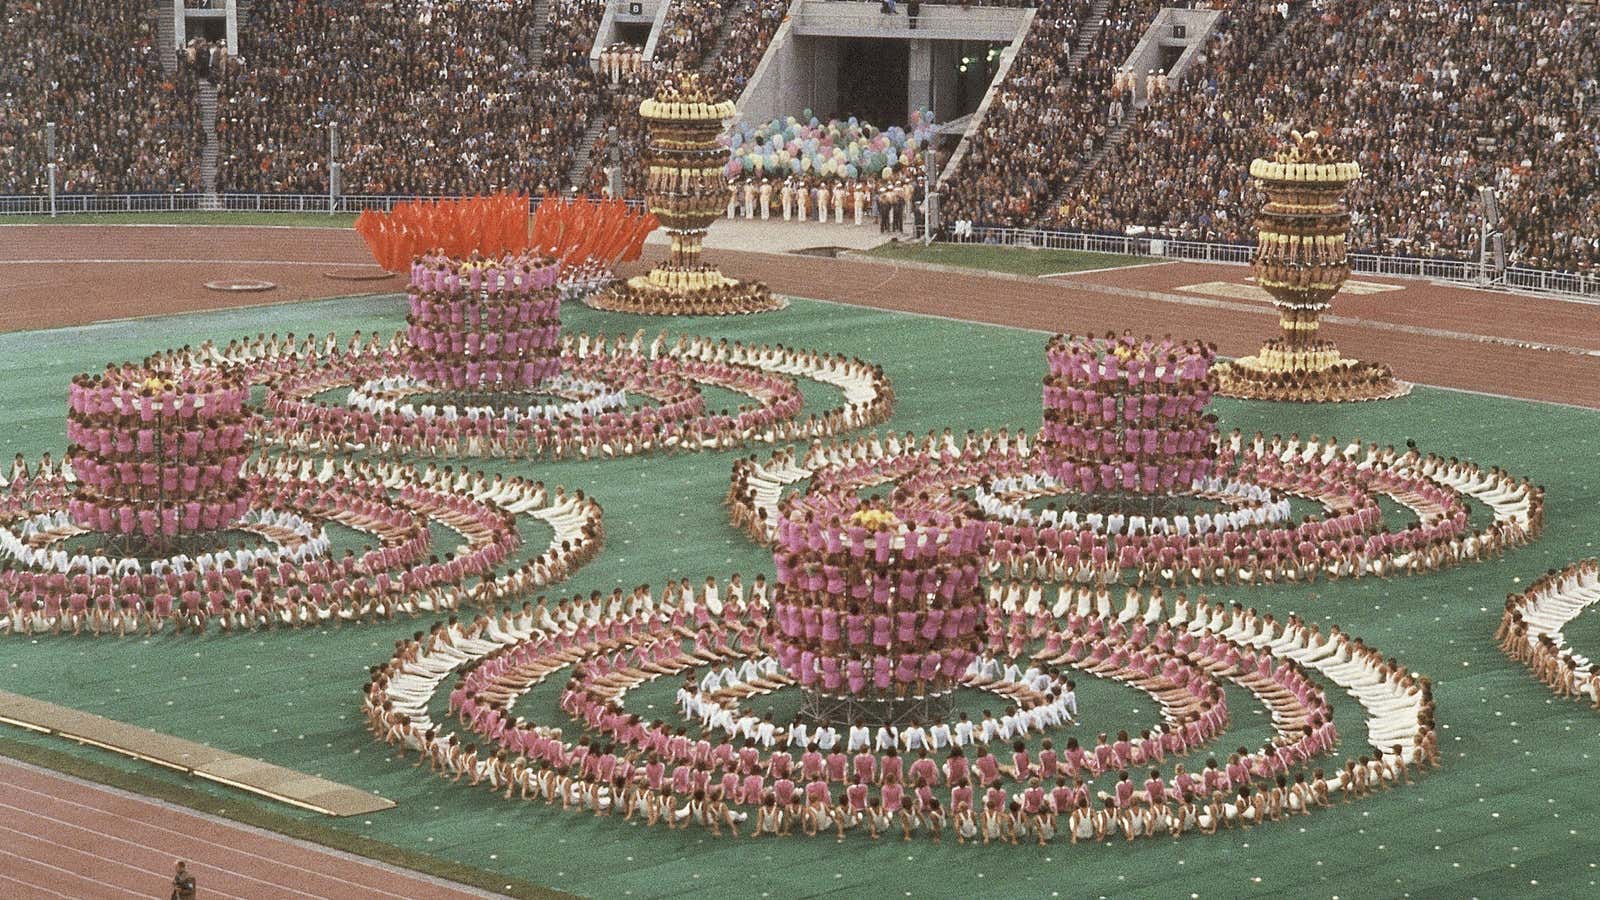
(67,204)
(1523,278)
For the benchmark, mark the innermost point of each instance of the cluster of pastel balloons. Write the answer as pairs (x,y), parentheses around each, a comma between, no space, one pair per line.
(832,150)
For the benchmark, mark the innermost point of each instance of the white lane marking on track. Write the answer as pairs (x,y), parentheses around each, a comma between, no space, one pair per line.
(78,875)
(33,889)
(120,840)
(211,843)
(1148,265)
(181,261)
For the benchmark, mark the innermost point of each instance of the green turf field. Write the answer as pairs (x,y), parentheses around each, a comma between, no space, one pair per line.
(1011,260)
(1514,806)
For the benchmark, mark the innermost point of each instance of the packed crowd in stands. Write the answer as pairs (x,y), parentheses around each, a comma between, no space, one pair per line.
(1045,114)
(689,32)
(1435,99)
(417,114)
(123,125)
(754,24)
(569,36)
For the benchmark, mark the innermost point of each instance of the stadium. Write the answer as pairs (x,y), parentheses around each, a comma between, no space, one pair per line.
(629,448)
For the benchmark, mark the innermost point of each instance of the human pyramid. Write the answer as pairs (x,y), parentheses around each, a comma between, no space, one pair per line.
(1302,260)
(684,184)
(870,606)
(1530,631)
(484,324)
(741,769)
(157,453)
(1128,416)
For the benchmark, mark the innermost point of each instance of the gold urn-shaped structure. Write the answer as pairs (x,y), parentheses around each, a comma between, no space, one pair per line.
(1302,260)
(686,188)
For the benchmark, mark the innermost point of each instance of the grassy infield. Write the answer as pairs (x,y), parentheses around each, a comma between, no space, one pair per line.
(1381,855)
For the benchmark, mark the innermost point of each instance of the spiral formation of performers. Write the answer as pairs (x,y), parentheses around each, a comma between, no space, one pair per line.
(1301,260)
(157,453)
(687,187)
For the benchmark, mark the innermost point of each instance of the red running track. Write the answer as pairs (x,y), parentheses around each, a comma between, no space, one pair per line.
(61,837)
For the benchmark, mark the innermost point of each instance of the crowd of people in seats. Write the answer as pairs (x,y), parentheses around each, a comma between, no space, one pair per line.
(1434,99)
(754,24)
(730,769)
(416,112)
(123,125)
(1530,630)
(689,33)
(293,582)
(1085,547)
(569,36)
(1041,118)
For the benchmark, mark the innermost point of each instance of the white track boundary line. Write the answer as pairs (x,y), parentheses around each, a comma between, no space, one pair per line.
(78,875)
(33,888)
(1148,265)
(1026,330)
(146,261)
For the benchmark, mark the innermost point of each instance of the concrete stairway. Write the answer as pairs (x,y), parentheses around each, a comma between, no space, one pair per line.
(708,64)
(1091,28)
(166,36)
(579,170)
(209,155)
(541,25)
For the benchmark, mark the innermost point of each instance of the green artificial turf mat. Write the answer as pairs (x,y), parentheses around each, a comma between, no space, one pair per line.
(1514,804)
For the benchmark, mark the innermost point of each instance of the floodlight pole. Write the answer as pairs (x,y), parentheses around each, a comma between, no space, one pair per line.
(614,169)
(334,169)
(50,165)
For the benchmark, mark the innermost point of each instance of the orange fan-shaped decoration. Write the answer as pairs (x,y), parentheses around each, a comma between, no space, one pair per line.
(488,225)
(572,231)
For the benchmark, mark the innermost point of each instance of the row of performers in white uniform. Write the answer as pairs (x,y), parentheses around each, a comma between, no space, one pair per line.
(820,201)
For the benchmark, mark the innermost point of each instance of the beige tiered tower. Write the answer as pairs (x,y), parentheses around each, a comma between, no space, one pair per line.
(687,190)
(1301,260)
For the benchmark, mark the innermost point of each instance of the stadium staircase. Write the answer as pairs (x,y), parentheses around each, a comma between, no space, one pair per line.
(579,170)
(708,65)
(541,24)
(1092,26)
(166,38)
(209,155)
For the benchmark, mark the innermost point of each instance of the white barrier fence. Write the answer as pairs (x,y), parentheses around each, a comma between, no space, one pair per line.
(1570,284)
(1523,278)
(68,204)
